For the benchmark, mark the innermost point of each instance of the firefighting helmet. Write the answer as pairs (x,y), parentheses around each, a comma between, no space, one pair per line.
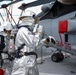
(29,18)
(8,26)
(29,15)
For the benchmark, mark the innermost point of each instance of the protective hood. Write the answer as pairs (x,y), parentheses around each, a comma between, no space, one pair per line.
(27,21)
(8,26)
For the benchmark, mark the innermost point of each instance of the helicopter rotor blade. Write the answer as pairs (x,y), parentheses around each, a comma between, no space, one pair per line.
(6,5)
(5,0)
(36,3)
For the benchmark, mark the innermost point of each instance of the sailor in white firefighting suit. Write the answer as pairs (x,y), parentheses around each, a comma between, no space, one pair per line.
(26,64)
(6,32)
(8,28)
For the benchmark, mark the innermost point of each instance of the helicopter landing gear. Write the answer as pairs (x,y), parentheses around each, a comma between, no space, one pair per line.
(57,57)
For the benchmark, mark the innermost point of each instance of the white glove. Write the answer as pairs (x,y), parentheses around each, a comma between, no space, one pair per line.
(48,40)
(43,42)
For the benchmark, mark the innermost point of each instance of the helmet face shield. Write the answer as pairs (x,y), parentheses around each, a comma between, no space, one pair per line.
(22,17)
(25,17)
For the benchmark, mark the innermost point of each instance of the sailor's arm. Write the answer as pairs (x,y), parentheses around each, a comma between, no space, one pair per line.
(46,42)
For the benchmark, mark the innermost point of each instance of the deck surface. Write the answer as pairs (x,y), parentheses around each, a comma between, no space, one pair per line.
(47,67)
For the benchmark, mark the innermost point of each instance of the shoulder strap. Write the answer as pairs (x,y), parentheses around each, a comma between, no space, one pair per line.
(24,26)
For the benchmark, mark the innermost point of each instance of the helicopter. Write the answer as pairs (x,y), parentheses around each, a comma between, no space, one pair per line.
(58,21)
(59,24)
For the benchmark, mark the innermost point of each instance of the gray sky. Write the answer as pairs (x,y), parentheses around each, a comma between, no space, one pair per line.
(16,12)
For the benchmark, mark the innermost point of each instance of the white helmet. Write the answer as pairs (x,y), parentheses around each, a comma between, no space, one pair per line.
(27,13)
(8,26)
(29,18)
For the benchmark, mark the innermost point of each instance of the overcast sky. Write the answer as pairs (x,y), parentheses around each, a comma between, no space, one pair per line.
(16,12)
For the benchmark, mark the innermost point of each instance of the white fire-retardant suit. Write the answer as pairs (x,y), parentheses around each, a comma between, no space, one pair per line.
(8,28)
(6,32)
(26,65)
